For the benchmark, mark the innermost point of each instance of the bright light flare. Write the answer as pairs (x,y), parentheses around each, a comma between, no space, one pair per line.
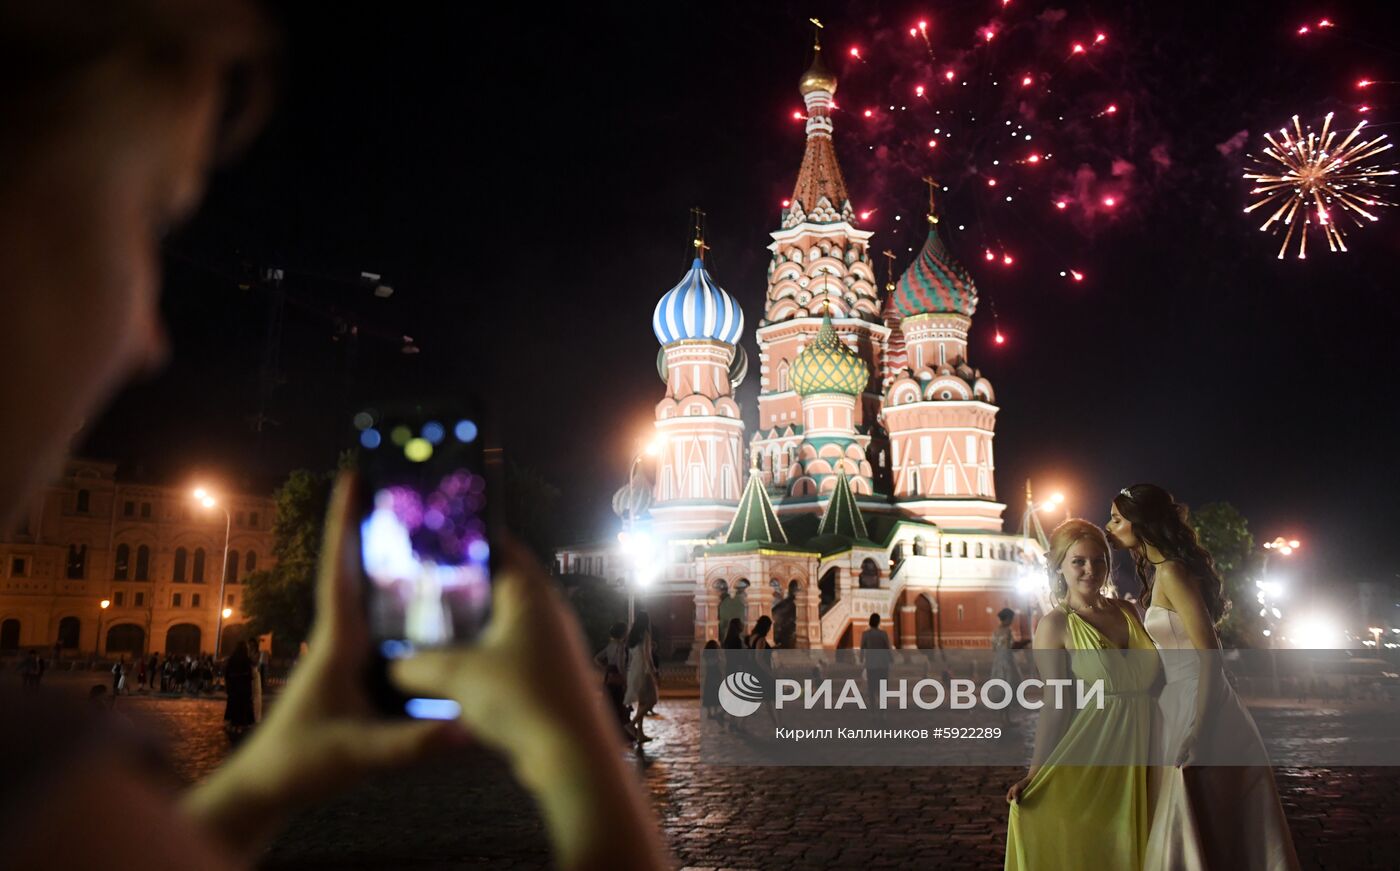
(798,116)
(1007,260)
(1027,81)
(1307,176)
(855,53)
(1072,274)
(1110,202)
(1061,204)
(865,215)
(948,74)
(1315,633)
(787,203)
(999,338)
(869,113)
(991,182)
(1100,38)
(933,143)
(918,90)
(1365,83)
(990,256)
(1078,48)
(227,612)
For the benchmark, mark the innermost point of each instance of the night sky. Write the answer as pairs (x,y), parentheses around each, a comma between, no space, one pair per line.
(524,185)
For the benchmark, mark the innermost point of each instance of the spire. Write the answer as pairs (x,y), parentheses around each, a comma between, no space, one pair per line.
(755,521)
(820,195)
(842,515)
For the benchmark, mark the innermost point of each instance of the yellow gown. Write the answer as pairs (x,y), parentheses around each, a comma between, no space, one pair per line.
(1093,818)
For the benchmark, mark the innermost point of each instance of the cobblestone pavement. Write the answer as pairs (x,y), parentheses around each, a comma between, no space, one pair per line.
(467,812)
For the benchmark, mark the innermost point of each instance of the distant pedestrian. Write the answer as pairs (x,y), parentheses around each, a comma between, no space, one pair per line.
(713,672)
(257,682)
(119,676)
(1004,657)
(875,644)
(642,690)
(153,671)
(613,660)
(141,674)
(30,670)
(238,684)
(763,662)
(733,635)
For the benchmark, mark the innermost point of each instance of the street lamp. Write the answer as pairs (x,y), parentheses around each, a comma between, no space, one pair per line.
(636,546)
(1030,520)
(206,500)
(102,610)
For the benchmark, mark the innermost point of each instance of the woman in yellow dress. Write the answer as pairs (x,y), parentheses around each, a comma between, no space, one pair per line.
(1066,814)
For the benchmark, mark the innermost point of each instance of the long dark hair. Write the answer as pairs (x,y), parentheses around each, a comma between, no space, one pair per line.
(760,630)
(734,635)
(1161,521)
(640,625)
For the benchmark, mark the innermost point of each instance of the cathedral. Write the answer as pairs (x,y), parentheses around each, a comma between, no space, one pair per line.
(869,486)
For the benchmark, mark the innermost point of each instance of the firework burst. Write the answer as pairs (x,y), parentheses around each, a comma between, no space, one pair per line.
(1311,177)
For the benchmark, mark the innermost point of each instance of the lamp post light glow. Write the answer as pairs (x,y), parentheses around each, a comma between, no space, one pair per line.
(627,537)
(207,500)
(101,612)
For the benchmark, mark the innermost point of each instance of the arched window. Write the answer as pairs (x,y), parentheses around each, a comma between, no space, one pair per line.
(126,638)
(143,563)
(68,630)
(181,557)
(77,561)
(869,575)
(250,563)
(122,566)
(231,568)
(197,575)
(84,502)
(782,376)
(979,550)
(963,550)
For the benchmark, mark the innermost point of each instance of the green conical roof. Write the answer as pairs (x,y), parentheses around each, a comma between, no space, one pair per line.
(842,516)
(755,521)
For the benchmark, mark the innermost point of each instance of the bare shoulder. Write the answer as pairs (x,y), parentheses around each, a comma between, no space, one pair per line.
(1051,631)
(1174,582)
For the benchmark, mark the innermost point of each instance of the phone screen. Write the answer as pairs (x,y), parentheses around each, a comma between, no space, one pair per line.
(425,540)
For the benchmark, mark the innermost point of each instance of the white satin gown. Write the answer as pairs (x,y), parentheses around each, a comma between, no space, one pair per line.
(1209,817)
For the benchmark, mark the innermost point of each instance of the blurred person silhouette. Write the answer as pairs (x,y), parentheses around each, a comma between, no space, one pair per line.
(114,114)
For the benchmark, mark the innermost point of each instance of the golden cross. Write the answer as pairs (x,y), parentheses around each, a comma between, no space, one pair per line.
(932,186)
(698,219)
(816,33)
(889,270)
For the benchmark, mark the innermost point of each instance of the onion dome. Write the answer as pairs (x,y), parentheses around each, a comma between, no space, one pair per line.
(817,77)
(633,501)
(935,282)
(697,308)
(828,366)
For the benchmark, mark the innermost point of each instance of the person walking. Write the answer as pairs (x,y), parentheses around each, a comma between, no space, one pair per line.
(613,660)
(642,691)
(256,680)
(29,671)
(118,676)
(876,651)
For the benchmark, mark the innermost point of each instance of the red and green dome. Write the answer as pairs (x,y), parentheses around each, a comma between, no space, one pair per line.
(935,282)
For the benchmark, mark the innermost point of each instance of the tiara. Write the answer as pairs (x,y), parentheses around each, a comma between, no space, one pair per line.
(1124,492)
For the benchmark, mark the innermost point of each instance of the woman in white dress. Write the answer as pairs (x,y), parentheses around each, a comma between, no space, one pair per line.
(1209,816)
(642,692)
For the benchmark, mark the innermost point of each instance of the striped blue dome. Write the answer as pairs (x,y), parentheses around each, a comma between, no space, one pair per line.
(697,308)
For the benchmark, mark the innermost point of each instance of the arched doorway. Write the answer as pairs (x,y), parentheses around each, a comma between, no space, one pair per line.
(9,635)
(182,640)
(234,633)
(68,630)
(923,623)
(127,638)
(869,575)
(829,588)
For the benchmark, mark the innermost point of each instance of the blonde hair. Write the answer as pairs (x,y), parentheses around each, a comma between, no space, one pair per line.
(1062,538)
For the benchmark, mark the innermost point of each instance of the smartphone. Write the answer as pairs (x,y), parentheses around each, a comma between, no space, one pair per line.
(426,515)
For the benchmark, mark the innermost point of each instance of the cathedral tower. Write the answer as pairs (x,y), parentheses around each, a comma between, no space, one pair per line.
(820,264)
(701,459)
(940,412)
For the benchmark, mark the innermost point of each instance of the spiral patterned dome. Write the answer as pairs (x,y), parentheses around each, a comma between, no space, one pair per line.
(828,366)
(697,308)
(935,282)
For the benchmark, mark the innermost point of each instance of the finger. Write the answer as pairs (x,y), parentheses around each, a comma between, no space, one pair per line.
(442,672)
(390,745)
(338,610)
